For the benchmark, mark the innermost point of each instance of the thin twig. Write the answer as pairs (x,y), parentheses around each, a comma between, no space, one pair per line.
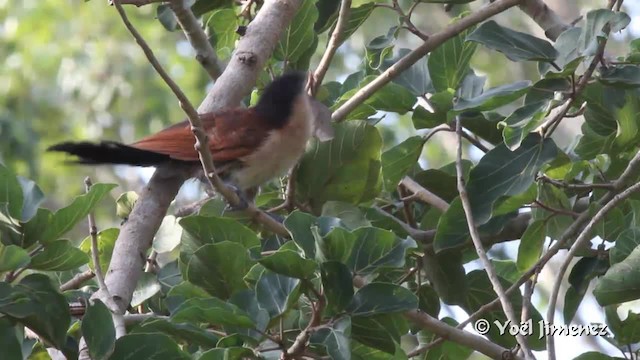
(423,194)
(138,3)
(539,204)
(477,242)
(201,137)
(577,245)
(418,53)
(334,42)
(569,186)
(77,281)
(205,54)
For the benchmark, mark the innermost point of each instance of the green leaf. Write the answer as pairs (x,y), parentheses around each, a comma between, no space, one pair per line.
(494,97)
(11,192)
(223,24)
(621,283)
(289,263)
(446,274)
(125,203)
(365,250)
(441,103)
(531,244)
(347,168)
(13,257)
(357,17)
(212,311)
(381,298)
(32,229)
(585,269)
(219,268)
(98,330)
(147,346)
(596,22)
(66,218)
(299,35)
(381,332)
(626,242)
(397,161)
(621,76)
(350,215)
(168,236)
(502,172)
(522,121)
(515,45)
(181,293)
(231,353)
(627,120)
(380,48)
(276,293)
(59,255)
(106,242)
(11,341)
(33,197)
(146,287)
(594,355)
(184,333)
(568,59)
(447,350)
(449,62)
(336,339)
(327,15)
(201,7)
(416,78)
(428,300)
(625,331)
(305,228)
(337,284)
(37,304)
(202,230)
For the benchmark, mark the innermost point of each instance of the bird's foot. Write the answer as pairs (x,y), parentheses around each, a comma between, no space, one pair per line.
(242,205)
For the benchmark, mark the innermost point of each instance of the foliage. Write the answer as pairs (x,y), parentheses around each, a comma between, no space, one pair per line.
(364,254)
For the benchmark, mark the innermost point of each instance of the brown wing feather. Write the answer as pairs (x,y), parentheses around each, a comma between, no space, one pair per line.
(232,135)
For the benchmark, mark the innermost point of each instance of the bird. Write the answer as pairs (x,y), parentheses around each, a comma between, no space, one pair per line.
(249,146)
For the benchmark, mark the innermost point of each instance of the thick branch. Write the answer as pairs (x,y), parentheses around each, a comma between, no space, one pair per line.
(418,53)
(545,17)
(205,54)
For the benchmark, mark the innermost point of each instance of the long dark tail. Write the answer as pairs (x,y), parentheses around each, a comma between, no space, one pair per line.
(110,152)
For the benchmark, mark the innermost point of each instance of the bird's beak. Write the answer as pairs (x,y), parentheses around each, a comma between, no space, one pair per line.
(323,130)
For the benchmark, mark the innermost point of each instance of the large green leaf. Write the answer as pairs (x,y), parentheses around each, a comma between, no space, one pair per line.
(106,242)
(32,198)
(219,268)
(381,331)
(59,255)
(347,168)
(357,17)
(11,192)
(289,263)
(202,230)
(365,250)
(336,339)
(229,353)
(626,242)
(11,340)
(397,161)
(98,330)
(276,293)
(515,45)
(594,28)
(585,269)
(299,35)
(494,97)
(502,172)
(305,229)
(223,25)
(416,78)
(621,76)
(66,218)
(522,121)
(147,346)
(531,244)
(13,257)
(212,311)
(621,283)
(337,284)
(183,332)
(381,298)
(36,303)
(449,62)
(446,274)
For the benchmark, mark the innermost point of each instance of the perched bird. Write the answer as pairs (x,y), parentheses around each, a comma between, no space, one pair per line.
(249,146)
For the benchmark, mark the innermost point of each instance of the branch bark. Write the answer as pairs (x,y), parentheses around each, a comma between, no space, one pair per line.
(205,54)
(552,24)
(137,233)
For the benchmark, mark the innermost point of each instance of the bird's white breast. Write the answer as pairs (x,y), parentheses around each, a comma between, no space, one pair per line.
(281,149)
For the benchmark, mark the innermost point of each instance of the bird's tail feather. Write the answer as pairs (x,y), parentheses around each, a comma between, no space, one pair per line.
(110,152)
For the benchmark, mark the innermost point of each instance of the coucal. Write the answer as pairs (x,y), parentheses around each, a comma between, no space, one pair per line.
(249,146)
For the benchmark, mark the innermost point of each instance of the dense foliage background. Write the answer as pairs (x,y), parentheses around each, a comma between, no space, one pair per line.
(377,223)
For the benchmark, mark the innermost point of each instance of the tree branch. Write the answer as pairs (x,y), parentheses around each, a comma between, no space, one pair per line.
(477,242)
(418,53)
(552,24)
(424,195)
(205,54)
(332,46)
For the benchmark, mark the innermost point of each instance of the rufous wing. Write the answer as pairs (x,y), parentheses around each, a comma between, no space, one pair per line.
(232,135)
